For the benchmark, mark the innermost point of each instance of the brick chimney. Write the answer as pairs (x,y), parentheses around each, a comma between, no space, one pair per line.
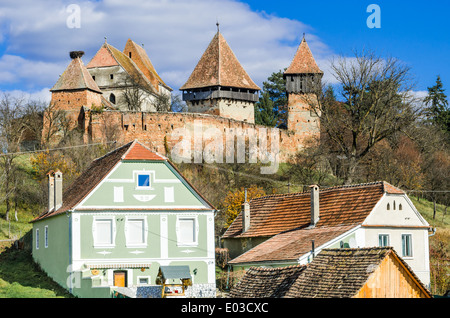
(314,204)
(51,190)
(58,180)
(245,214)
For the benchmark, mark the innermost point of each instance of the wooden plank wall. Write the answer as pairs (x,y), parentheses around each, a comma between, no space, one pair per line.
(391,280)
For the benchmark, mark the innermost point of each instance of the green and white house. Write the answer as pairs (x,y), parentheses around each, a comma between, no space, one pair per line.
(128,215)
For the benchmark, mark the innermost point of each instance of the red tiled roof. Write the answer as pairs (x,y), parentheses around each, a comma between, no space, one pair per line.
(140,152)
(108,55)
(273,214)
(76,76)
(290,245)
(87,181)
(303,61)
(99,169)
(219,66)
(141,59)
(102,58)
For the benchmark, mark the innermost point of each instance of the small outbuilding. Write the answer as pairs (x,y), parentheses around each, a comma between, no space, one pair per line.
(336,273)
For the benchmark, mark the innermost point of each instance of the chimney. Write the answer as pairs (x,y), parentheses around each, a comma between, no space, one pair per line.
(245,214)
(58,189)
(51,191)
(314,204)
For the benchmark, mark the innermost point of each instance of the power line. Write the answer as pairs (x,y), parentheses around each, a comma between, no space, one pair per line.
(54,149)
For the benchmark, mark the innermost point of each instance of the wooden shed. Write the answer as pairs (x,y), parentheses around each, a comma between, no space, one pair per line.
(358,273)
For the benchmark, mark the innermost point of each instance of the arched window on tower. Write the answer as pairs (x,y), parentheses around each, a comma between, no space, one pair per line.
(112,98)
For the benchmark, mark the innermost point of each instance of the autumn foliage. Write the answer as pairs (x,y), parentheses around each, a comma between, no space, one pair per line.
(234,201)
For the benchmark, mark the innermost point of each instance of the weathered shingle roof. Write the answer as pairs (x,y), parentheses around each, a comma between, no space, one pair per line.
(259,282)
(290,245)
(341,273)
(219,66)
(76,77)
(303,61)
(273,214)
(334,273)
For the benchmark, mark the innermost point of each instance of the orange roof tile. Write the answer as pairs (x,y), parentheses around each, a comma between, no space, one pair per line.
(76,76)
(303,61)
(219,66)
(141,59)
(273,214)
(138,151)
(108,55)
(102,58)
(290,245)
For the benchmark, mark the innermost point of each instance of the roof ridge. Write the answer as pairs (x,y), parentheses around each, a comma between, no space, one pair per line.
(322,189)
(112,151)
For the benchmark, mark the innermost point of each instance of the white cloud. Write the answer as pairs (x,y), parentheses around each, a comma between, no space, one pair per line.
(175,34)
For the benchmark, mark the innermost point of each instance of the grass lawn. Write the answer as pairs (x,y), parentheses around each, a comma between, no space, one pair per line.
(20,277)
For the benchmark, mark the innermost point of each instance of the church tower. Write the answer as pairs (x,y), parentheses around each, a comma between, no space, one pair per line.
(219,84)
(73,93)
(302,77)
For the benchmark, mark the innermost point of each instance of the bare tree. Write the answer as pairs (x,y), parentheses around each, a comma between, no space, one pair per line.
(12,128)
(375,102)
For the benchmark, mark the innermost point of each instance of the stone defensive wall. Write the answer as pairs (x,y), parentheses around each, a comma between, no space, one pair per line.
(193,134)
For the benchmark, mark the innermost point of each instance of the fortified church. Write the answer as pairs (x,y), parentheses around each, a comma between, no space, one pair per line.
(115,97)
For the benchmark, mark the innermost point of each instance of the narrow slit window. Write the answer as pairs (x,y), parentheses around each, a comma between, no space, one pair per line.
(112,98)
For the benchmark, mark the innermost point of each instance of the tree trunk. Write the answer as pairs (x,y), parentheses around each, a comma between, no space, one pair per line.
(434,209)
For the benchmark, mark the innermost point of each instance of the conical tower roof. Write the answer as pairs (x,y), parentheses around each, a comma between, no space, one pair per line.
(76,77)
(303,61)
(218,66)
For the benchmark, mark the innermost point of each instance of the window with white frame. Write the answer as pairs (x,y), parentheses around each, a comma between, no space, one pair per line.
(143,280)
(46,236)
(187,231)
(103,230)
(136,231)
(407,245)
(383,240)
(37,239)
(143,181)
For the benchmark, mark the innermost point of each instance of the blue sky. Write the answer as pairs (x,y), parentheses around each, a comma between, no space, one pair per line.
(416,32)
(35,37)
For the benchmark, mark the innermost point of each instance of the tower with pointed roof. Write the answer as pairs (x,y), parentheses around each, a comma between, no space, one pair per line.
(219,84)
(74,90)
(302,77)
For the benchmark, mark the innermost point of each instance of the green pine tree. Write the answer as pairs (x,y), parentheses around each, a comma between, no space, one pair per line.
(264,112)
(270,110)
(438,111)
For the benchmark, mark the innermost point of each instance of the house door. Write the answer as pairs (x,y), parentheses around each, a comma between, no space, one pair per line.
(120,279)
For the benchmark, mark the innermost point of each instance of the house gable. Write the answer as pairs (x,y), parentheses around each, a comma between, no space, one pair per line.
(395,209)
(143,184)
